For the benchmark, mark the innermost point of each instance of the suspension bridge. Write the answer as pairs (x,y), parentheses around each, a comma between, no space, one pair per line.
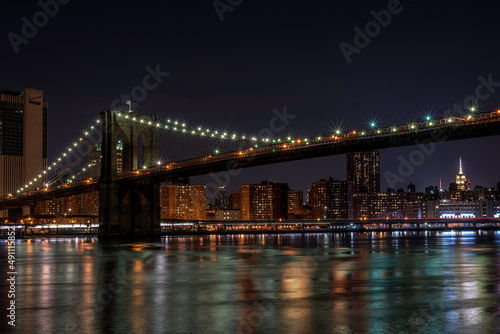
(129,201)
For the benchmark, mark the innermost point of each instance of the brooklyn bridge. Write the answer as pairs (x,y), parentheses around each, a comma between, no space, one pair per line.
(129,198)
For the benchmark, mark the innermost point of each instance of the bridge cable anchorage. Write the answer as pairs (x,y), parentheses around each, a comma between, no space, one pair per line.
(68,153)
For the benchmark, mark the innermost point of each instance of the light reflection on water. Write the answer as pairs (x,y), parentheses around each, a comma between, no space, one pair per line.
(398,282)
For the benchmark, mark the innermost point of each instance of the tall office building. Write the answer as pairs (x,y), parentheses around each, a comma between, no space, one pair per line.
(221,201)
(332,199)
(185,202)
(363,170)
(23,139)
(461,180)
(265,201)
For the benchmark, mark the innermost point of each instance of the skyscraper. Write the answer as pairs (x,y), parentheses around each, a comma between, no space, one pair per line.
(23,139)
(221,198)
(363,170)
(461,180)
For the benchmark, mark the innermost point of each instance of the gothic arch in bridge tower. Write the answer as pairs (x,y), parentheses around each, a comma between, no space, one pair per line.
(133,135)
(128,207)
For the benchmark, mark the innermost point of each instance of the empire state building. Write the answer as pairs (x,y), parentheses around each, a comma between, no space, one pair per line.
(462,183)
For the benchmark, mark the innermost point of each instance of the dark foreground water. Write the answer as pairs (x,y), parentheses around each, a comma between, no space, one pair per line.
(313,283)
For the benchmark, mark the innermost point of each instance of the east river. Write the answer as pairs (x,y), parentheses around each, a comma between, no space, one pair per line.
(439,282)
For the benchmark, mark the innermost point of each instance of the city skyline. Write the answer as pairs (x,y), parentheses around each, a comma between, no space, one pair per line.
(230,166)
(450,176)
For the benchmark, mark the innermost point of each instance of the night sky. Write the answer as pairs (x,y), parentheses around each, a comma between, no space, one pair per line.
(230,74)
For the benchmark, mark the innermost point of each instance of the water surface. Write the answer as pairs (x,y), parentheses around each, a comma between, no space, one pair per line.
(397,282)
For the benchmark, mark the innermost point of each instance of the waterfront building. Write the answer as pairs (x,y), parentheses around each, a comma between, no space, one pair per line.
(185,202)
(85,204)
(227,214)
(265,201)
(445,208)
(332,199)
(361,205)
(23,140)
(388,205)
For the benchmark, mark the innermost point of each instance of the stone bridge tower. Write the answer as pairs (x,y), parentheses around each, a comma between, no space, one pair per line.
(128,208)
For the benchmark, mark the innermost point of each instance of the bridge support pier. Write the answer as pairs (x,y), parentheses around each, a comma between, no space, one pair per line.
(129,210)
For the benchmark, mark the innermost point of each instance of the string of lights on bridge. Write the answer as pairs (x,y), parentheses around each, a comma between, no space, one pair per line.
(202,131)
(183,128)
(59,160)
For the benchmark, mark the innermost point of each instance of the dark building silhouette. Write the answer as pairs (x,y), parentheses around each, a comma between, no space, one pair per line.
(221,200)
(234,201)
(295,203)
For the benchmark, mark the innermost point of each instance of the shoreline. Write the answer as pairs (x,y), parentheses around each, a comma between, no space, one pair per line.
(257,232)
